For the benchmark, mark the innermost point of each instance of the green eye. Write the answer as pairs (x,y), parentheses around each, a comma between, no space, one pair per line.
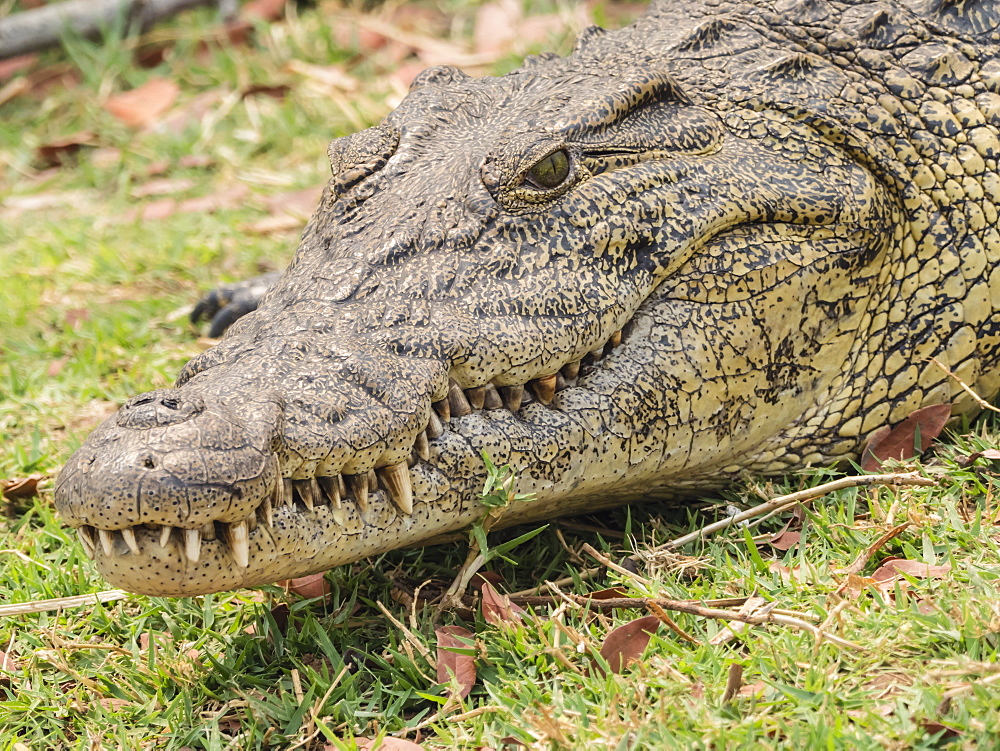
(550,172)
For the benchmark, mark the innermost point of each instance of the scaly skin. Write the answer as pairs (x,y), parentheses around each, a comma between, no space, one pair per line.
(771,215)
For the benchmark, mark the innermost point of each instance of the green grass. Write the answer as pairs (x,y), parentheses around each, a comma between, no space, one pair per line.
(92,313)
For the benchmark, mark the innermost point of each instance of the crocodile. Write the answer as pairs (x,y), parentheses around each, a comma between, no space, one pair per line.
(726,239)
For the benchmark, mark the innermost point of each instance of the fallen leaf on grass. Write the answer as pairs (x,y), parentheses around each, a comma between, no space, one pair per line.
(785,539)
(140,107)
(314,585)
(264,10)
(611,593)
(894,568)
(909,438)
(991,454)
(14,65)
(275,91)
(386,744)
(163,187)
(497,608)
(451,663)
(289,211)
(221,199)
(21,487)
(625,644)
(7,665)
(58,152)
(943,732)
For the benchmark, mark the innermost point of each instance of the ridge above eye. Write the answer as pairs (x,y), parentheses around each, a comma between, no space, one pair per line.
(548,172)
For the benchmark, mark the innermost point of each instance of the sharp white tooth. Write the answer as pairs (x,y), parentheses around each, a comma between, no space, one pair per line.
(208,531)
(458,405)
(165,531)
(305,492)
(267,511)
(512,397)
(372,481)
(434,426)
(423,446)
(238,538)
(331,487)
(86,539)
(359,489)
(491,397)
(476,397)
(192,544)
(396,479)
(129,536)
(107,540)
(287,493)
(443,408)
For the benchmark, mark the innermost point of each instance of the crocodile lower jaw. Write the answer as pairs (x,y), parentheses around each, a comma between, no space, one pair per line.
(334,504)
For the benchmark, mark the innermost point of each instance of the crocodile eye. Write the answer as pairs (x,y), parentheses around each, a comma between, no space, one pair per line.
(549,172)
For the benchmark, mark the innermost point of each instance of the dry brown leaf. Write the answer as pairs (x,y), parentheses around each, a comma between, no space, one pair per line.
(192,112)
(933,727)
(7,665)
(14,65)
(58,152)
(163,187)
(785,539)
(142,106)
(388,743)
(314,585)
(854,585)
(275,91)
(991,454)
(496,27)
(111,704)
(909,438)
(55,367)
(893,568)
(227,198)
(497,608)
(264,10)
(450,663)
(21,487)
(611,593)
(626,643)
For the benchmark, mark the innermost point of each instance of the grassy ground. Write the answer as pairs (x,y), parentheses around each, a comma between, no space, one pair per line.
(94,294)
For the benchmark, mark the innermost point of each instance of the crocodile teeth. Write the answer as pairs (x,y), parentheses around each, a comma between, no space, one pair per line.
(238,540)
(107,540)
(616,338)
(512,397)
(207,531)
(278,494)
(359,489)
(331,487)
(476,397)
(434,426)
(372,481)
(129,536)
(192,544)
(423,446)
(560,382)
(305,491)
(165,531)
(396,479)
(287,491)
(86,537)
(491,399)
(571,370)
(545,388)
(266,510)
(457,403)
(443,408)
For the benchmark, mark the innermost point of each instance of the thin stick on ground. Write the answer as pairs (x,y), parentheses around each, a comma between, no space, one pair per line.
(964,386)
(682,606)
(40,606)
(777,504)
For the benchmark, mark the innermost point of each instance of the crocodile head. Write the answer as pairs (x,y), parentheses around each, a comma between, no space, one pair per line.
(584,274)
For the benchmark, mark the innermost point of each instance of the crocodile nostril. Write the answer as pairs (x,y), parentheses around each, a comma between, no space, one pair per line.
(170,403)
(148,462)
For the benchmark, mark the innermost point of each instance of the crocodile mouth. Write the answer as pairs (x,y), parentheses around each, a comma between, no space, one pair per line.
(299,502)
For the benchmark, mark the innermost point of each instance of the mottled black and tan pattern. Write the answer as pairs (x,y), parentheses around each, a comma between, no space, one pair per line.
(756,223)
